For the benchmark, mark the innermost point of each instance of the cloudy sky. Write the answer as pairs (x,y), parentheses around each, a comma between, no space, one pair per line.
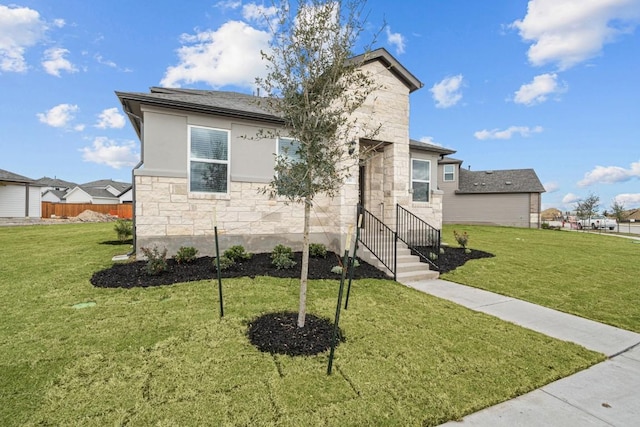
(552,85)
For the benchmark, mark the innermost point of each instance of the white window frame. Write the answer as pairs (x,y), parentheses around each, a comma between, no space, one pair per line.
(428,181)
(452,173)
(286,138)
(215,161)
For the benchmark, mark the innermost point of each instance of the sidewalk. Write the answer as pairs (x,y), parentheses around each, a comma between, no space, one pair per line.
(607,394)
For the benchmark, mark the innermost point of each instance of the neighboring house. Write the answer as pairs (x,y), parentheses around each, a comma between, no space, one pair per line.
(56,184)
(96,196)
(53,196)
(126,196)
(203,165)
(499,197)
(19,196)
(113,187)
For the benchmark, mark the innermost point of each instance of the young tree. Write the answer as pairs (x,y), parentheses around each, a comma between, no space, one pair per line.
(314,84)
(588,207)
(618,211)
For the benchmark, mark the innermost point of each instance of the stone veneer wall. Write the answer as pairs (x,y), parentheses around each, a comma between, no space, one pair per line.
(167,215)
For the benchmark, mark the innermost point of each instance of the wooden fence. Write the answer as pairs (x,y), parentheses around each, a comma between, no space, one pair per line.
(61,210)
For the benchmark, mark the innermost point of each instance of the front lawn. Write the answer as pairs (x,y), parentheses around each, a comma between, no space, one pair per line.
(73,354)
(592,275)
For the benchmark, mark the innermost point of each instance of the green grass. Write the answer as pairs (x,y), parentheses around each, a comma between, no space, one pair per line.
(592,275)
(161,356)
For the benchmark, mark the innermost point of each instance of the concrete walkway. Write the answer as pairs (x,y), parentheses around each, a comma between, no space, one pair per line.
(607,394)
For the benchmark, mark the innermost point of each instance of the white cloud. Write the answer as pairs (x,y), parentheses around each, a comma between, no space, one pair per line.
(446,93)
(258,13)
(551,187)
(55,62)
(59,116)
(524,131)
(103,61)
(570,198)
(228,4)
(567,32)
(539,89)
(110,118)
(396,40)
(610,175)
(59,23)
(430,140)
(20,28)
(105,151)
(227,56)
(629,200)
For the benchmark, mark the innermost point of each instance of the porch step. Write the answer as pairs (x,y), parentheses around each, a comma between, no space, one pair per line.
(409,268)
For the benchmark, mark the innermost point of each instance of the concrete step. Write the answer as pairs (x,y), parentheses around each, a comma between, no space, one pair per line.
(412,276)
(404,267)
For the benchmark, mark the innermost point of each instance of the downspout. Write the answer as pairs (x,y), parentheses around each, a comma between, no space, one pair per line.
(133,175)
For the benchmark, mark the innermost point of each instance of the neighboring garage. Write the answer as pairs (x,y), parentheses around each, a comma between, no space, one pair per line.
(19,196)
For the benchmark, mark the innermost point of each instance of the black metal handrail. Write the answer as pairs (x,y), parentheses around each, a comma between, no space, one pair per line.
(379,239)
(419,236)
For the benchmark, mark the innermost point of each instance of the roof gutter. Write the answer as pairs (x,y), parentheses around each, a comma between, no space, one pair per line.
(127,110)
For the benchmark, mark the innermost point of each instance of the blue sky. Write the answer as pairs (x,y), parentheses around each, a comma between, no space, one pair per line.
(552,85)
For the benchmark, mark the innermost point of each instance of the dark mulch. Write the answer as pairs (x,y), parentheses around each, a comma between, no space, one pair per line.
(279,333)
(132,274)
(456,257)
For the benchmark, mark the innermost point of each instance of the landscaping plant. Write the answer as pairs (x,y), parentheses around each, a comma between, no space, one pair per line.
(237,253)
(124,229)
(282,257)
(317,250)
(461,238)
(186,255)
(156,260)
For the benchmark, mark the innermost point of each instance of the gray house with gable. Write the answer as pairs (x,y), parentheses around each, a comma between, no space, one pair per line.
(510,197)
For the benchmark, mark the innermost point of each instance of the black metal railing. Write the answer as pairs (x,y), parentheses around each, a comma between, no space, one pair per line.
(379,239)
(419,236)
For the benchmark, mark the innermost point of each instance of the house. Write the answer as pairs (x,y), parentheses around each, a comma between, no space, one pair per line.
(19,196)
(100,192)
(54,196)
(56,184)
(494,197)
(204,165)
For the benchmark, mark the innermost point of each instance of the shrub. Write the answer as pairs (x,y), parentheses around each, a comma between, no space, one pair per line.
(461,238)
(186,255)
(237,253)
(282,257)
(156,260)
(338,268)
(124,229)
(225,263)
(545,226)
(317,250)
(433,256)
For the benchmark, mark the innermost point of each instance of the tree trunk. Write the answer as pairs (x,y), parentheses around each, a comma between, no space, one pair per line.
(302,311)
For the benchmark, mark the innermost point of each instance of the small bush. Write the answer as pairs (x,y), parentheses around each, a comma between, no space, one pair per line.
(225,263)
(237,253)
(544,225)
(317,250)
(338,268)
(433,256)
(124,229)
(461,238)
(282,257)
(186,255)
(156,260)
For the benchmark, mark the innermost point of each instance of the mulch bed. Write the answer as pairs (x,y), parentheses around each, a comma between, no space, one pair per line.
(272,332)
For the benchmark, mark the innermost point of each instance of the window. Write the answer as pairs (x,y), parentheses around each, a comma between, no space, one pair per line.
(208,160)
(449,172)
(289,147)
(420,172)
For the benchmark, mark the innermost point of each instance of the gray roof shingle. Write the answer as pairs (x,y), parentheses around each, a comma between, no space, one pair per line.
(7,176)
(55,182)
(499,181)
